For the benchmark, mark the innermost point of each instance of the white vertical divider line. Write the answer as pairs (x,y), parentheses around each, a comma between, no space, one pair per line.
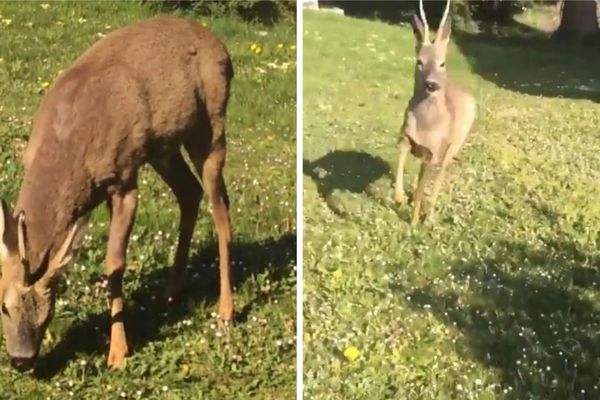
(299,205)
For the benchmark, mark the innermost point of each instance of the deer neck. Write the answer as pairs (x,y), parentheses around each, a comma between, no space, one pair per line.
(430,111)
(54,194)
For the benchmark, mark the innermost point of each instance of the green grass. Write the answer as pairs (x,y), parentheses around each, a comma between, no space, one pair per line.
(499,299)
(176,353)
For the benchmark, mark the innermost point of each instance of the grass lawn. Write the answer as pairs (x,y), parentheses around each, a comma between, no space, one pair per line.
(499,298)
(177,353)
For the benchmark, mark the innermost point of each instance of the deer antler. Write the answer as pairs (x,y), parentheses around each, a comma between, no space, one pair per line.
(425,24)
(443,21)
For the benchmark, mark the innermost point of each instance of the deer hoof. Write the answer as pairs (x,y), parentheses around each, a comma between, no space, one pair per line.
(226,315)
(226,311)
(116,356)
(414,222)
(399,197)
(416,218)
(225,326)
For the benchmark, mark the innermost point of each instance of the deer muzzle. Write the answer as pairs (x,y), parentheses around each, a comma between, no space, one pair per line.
(432,86)
(22,364)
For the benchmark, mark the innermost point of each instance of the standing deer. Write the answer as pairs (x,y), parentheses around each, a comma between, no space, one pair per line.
(137,96)
(438,117)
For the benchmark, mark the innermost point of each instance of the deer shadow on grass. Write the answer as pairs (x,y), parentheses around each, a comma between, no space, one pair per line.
(346,170)
(530,313)
(146,312)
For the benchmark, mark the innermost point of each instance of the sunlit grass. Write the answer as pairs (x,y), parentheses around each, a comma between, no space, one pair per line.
(499,298)
(178,353)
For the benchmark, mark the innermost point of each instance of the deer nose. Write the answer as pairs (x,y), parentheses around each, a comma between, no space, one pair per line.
(22,364)
(432,86)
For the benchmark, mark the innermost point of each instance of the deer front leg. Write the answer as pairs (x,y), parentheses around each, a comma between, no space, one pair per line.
(420,192)
(122,208)
(437,183)
(399,195)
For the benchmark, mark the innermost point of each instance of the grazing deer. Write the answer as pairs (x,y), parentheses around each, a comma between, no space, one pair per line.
(137,96)
(438,117)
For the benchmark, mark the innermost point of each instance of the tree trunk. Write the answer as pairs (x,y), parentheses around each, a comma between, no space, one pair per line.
(579,19)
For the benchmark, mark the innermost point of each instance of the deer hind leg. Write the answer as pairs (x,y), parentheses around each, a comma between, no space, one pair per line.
(417,179)
(210,168)
(188,192)
(399,195)
(424,173)
(122,209)
(439,179)
(207,152)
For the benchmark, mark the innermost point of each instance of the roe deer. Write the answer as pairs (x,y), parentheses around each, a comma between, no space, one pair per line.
(438,117)
(140,95)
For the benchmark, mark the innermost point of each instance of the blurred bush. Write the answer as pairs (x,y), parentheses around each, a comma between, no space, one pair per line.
(499,11)
(264,11)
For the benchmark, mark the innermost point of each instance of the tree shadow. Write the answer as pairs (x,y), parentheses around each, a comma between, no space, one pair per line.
(523,59)
(146,312)
(529,313)
(509,54)
(346,170)
(541,339)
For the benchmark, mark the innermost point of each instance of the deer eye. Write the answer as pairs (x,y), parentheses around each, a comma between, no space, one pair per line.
(442,65)
(419,64)
(5,310)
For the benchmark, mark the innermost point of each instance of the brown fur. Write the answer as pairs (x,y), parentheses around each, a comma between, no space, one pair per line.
(134,97)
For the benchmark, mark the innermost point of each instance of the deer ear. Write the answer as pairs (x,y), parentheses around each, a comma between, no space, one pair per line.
(418,29)
(444,31)
(22,236)
(7,231)
(61,258)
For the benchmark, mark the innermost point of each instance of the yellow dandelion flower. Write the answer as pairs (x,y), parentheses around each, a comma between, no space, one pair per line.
(280,45)
(293,47)
(204,24)
(258,50)
(45,84)
(352,353)
(253,46)
(337,273)
(185,369)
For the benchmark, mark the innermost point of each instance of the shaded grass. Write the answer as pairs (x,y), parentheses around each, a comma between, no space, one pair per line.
(177,353)
(564,72)
(498,299)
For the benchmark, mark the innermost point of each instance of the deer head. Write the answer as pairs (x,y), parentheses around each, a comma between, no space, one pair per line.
(27,301)
(430,72)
